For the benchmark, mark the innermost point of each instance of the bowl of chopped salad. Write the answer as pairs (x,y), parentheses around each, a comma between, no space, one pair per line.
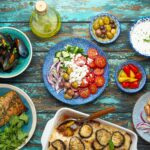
(75,71)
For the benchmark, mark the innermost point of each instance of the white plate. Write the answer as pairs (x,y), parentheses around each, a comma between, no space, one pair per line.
(4,88)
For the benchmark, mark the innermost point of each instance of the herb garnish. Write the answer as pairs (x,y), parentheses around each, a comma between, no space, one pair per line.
(111,145)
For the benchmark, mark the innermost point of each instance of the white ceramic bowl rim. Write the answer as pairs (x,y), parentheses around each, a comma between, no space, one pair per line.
(30,50)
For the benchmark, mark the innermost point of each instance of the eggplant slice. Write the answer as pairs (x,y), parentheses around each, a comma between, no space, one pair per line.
(103,136)
(58,145)
(97,146)
(118,139)
(86,131)
(76,144)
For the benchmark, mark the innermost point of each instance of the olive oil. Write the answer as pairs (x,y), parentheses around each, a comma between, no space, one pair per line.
(45,21)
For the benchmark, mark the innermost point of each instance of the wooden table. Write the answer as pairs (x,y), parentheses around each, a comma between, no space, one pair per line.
(75,23)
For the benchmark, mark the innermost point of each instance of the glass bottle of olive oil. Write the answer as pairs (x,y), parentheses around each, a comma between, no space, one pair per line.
(44,21)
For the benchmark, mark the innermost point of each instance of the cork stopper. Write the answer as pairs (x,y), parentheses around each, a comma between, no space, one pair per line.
(41,6)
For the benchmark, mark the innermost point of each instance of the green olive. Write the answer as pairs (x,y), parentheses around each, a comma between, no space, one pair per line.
(69,70)
(106,20)
(66,96)
(70,92)
(109,35)
(74,84)
(96,25)
(108,27)
(100,21)
(66,76)
(113,31)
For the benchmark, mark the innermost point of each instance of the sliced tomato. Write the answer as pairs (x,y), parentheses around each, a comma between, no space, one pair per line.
(90,77)
(126,69)
(134,85)
(138,76)
(98,71)
(80,61)
(93,88)
(100,81)
(100,61)
(84,83)
(84,92)
(133,68)
(125,84)
(91,64)
(92,53)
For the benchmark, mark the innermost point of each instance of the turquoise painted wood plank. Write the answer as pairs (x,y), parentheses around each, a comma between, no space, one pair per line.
(76,10)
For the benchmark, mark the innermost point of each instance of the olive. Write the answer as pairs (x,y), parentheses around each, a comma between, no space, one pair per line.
(103,36)
(112,22)
(96,25)
(67,85)
(113,26)
(98,32)
(66,96)
(69,70)
(74,84)
(102,27)
(113,31)
(109,35)
(106,20)
(70,92)
(66,76)
(104,31)
(100,21)
(108,27)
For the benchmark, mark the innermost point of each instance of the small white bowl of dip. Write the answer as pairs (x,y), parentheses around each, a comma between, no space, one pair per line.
(140,36)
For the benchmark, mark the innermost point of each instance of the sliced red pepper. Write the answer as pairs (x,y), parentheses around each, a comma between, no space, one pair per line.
(126,69)
(134,85)
(125,84)
(133,68)
(138,76)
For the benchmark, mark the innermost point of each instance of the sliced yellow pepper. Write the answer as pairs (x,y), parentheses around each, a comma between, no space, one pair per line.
(123,79)
(132,75)
(132,79)
(122,74)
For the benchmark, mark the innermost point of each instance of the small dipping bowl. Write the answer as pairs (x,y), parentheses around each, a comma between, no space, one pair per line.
(101,40)
(142,82)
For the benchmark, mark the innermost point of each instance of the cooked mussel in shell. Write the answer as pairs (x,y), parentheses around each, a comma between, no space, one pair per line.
(76,144)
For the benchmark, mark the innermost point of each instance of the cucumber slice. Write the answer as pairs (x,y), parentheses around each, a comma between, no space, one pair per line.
(61,59)
(65,54)
(55,60)
(58,54)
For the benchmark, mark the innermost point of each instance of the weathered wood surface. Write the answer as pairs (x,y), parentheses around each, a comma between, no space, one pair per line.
(75,16)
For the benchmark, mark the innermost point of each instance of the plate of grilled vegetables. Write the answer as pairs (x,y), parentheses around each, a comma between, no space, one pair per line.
(17,117)
(64,132)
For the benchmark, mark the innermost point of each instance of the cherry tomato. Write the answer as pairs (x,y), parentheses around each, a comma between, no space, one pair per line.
(90,77)
(100,61)
(98,71)
(84,92)
(134,85)
(126,69)
(138,76)
(100,81)
(84,83)
(93,88)
(92,53)
(91,64)
(80,61)
(133,68)
(125,84)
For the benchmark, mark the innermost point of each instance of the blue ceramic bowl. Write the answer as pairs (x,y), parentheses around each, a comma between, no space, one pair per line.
(142,82)
(23,63)
(31,111)
(99,39)
(132,28)
(85,44)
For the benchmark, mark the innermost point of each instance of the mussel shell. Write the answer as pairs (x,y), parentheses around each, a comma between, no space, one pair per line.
(21,47)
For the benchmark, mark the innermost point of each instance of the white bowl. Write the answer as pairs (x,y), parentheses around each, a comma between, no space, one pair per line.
(70,113)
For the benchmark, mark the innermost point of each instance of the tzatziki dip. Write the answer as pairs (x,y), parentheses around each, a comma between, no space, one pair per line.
(140,37)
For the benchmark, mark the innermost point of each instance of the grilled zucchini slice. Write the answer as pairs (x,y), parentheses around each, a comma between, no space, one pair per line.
(118,139)
(76,144)
(103,136)
(58,145)
(97,146)
(86,131)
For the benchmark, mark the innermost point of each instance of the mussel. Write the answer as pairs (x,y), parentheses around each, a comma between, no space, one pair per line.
(21,47)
